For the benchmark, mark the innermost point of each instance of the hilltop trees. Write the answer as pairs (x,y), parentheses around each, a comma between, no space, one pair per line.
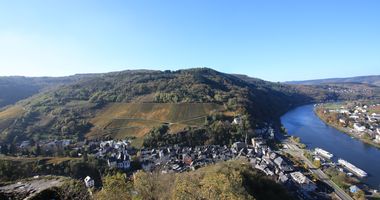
(115,187)
(187,187)
(226,181)
(153,185)
(157,137)
(217,133)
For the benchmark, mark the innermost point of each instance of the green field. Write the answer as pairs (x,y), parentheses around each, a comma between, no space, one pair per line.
(333,106)
(120,120)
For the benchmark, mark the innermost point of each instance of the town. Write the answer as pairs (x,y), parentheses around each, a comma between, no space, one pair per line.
(280,164)
(358,119)
(177,159)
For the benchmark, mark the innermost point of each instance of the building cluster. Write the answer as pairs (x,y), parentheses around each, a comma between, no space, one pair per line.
(180,159)
(360,120)
(116,153)
(277,166)
(348,90)
(270,162)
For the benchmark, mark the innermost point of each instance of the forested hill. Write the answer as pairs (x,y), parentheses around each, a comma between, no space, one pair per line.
(70,110)
(201,85)
(373,80)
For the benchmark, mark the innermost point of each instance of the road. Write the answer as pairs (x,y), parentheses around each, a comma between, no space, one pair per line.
(294,150)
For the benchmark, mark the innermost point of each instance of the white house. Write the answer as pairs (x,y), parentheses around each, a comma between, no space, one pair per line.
(89,182)
(303,181)
(354,189)
(237,120)
(257,142)
(375,116)
(359,128)
(355,117)
(377,138)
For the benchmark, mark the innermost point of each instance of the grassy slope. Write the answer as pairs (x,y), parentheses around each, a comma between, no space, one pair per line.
(11,112)
(136,119)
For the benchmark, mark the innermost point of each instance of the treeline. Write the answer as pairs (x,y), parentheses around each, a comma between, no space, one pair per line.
(216,131)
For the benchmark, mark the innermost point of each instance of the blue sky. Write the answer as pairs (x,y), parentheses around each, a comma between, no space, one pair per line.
(273,40)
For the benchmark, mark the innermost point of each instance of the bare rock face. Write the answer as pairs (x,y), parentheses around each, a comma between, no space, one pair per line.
(27,189)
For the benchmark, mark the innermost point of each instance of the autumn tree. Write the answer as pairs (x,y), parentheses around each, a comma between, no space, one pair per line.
(187,187)
(115,187)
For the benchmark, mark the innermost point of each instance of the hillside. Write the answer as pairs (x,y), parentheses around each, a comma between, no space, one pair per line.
(129,103)
(373,80)
(74,110)
(15,88)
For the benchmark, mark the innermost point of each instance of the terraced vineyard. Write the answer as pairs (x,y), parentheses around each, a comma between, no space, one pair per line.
(8,115)
(136,119)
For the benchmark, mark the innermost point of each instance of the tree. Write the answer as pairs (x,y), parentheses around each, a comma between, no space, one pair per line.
(144,185)
(315,177)
(4,149)
(359,195)
(12,149)
(115,187)
(37,150)
(186,187)
(305,166)
(317,163)
(221,186)
(85,156)
(151,186)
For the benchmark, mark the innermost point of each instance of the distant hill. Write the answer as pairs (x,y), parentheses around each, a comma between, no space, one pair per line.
(15,88)
(129,103)
(373,80)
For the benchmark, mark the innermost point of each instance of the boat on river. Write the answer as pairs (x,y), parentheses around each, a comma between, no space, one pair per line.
(323,153)
(352,168)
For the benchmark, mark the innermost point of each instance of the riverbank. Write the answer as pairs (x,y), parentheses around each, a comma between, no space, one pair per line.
(302,122)
(345,130)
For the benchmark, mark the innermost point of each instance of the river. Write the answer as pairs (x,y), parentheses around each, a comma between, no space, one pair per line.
(304,123)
